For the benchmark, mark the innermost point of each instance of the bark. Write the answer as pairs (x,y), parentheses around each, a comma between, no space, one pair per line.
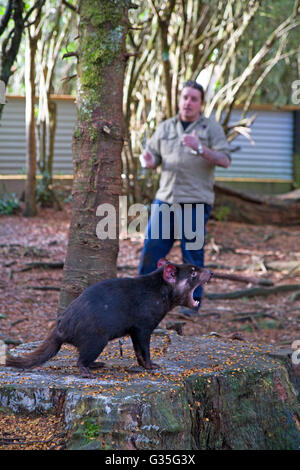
(97,144)
(211,393)
(31,154)
(10,45)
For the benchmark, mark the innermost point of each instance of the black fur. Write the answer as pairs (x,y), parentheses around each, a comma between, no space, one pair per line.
(117,307)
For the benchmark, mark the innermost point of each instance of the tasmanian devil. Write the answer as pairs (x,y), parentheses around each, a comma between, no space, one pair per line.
(117,307)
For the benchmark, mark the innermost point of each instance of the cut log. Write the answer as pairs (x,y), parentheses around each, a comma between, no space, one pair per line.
(259,209)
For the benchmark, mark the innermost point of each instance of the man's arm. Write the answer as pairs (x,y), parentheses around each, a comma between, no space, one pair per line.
(213,156)
(216,158)
(151,157)
(147,160)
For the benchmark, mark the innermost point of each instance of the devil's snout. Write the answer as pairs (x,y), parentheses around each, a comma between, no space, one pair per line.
(207,274)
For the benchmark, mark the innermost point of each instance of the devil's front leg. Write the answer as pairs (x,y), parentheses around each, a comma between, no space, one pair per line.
(141,345)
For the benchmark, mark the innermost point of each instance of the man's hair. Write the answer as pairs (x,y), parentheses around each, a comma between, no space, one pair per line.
(196,85)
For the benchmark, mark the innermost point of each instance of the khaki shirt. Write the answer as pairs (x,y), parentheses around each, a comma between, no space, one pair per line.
(186,177)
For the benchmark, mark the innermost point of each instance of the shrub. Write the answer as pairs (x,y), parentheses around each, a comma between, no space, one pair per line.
(9,204)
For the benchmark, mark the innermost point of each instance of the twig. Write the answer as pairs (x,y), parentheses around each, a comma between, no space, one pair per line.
(252,292)
(69,5)
(126,267)
(43,288)
(70,54)
(41,264)
(16,322)
(238,278)
(7,340)
(10,440)
(9,263)
(69,77)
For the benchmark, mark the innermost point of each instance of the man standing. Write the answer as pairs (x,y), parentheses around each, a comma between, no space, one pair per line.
(188,147)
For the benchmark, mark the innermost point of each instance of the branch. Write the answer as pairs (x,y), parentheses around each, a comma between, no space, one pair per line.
(70,54)
(287,25)
(236,277)
(253,292)
(266,71)
(68,78)
(155,10)
(38,5)
(8,56)
(6,17)
(69,5)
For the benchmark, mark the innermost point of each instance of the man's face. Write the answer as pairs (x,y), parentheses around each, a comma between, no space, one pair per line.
(190,104)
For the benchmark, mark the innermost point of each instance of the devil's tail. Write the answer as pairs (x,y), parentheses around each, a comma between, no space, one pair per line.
(47,349)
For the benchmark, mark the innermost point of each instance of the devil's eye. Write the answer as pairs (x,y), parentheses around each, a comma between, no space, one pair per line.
(193,273)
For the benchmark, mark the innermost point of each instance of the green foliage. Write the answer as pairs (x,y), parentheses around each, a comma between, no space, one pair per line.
(45,195)
(221,213)
(276,88)
(87,430)
(9,204)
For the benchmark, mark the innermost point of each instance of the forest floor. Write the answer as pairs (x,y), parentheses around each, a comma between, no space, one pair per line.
(27,312)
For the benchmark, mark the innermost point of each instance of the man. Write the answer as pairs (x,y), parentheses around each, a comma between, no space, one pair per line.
(188,147)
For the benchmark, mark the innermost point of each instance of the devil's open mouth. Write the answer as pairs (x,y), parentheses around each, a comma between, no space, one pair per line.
(192,302)
(195,303)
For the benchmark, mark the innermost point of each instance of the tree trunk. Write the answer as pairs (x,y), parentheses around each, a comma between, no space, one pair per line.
(31,155)
(97,145)
(9,49)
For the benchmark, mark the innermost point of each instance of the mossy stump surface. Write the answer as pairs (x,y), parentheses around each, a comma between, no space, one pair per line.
(209,393)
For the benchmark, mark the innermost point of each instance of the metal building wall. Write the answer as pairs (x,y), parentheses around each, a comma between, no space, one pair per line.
(13,137)
(271,155)
(271,158)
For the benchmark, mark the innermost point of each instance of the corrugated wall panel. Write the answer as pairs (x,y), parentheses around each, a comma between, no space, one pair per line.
(66,117)
(12,137)
(270,158)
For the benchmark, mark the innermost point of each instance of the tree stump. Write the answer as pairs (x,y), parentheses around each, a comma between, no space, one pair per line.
(209,393)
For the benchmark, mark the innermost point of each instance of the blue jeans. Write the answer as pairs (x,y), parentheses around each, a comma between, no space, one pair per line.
(154,249)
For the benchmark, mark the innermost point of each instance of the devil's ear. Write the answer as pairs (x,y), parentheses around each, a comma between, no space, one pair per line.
(170,273)
(162,262)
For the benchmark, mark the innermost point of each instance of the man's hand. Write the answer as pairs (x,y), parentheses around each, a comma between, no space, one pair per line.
(147,160)
(191,140)
(214,157)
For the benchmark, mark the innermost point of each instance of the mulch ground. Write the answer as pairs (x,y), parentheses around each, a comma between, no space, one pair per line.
(27,312)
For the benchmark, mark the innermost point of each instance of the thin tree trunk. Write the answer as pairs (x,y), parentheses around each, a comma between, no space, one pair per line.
(51,133)
(9,49)
(97,145)
(31,155)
